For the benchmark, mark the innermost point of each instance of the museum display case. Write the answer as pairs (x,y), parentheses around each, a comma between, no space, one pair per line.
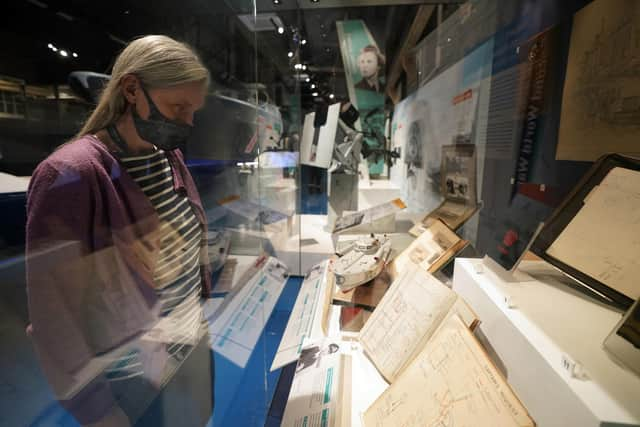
(378,213)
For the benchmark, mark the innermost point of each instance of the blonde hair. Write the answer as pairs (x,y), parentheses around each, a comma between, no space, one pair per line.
(158,62)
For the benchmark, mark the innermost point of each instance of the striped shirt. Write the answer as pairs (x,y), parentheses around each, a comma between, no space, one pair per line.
(177,269)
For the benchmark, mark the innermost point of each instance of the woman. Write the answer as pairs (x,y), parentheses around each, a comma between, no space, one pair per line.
(370,63)
(116,250)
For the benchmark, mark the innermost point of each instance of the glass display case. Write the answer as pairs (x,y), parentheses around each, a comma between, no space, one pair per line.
(290,260)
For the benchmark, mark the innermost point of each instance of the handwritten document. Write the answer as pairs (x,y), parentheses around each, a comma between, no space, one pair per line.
(450,383)
(603,239)
(406,317)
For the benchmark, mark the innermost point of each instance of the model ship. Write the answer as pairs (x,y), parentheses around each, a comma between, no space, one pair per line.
(361,261)
(218,242)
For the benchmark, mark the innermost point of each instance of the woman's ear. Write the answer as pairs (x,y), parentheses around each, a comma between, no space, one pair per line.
(129,87)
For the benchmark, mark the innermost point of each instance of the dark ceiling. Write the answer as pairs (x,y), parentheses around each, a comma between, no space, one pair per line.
(97,31)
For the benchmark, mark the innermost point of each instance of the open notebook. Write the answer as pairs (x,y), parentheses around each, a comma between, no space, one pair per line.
(410,312)
(450,382)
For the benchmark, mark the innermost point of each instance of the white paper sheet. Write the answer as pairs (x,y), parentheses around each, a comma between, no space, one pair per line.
(320,392)
(236,329)
(405,318)
(305,322)
(603,239)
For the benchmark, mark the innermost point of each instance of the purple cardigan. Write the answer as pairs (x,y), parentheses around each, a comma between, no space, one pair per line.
(92,240)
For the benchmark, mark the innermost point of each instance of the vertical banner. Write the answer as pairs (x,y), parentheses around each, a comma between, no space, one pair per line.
(539,54)
(364,65)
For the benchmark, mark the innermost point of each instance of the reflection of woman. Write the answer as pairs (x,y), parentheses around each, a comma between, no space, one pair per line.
(370,63)
(116,243)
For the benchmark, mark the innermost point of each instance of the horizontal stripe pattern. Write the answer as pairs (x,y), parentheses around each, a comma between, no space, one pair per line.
(177,270)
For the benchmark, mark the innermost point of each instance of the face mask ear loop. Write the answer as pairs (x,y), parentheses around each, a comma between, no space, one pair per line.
(153,110)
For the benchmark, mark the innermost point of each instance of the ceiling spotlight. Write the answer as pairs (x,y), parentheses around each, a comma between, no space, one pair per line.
(64,53)
(276,1)
(331,96)
(303,67)
(55,49)
(314,94)
(307,80)
(313,86)
(50,46)
(280,30)
(290,54)
(75,55)
(303,41)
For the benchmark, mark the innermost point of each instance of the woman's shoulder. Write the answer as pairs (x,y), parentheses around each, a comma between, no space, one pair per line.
(81,155)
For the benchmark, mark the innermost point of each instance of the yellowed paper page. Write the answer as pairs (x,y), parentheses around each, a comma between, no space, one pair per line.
(450,383)
(603,239)
(602,84)
(405,318)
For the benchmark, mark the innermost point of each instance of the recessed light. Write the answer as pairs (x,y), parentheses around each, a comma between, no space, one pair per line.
(290,54)
(280,30)
(331,96)
(314,94)
(303,41)
(75,55)
(313,86)
(307,80)
(64,53)
(50,46)
(276,1)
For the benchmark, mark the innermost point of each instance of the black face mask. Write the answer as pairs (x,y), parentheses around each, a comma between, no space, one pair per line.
(157,129)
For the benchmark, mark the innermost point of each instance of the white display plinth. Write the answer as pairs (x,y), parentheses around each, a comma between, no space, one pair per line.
(538,328)
(376,192)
